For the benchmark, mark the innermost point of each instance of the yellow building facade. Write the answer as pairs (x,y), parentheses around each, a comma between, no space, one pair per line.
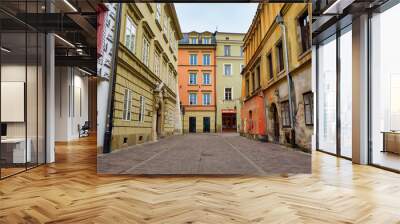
(146,100)
(230,61)
(277,49)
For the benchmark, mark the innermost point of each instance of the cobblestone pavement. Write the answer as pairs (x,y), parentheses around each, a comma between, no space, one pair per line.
(205,154)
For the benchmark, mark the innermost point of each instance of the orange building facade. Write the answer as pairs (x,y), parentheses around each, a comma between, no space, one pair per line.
(196,81)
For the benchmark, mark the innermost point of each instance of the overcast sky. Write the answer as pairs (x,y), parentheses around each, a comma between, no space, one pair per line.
(228,17)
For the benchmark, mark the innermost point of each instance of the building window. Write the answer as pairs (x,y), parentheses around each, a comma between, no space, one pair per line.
(247,86)
(304,25)
(241,68)
(206,98)
(130,34)
(193,40)
(228,69)
(146,51)
(206,59)
(192,98)
(157,63)
(206,79)
(269,66)
(257,78)
(126,113)
(308,108)
(192,79)
(193,59)
(279,52)
(227,50)
(241,51)
(165,23)
(158,11)
(285,114)
(141,109)
(206,40)
(228,94)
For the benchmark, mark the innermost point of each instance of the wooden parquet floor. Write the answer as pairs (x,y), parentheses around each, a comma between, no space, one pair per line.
(70,191)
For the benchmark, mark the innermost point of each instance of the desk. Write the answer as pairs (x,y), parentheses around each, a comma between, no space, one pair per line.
(391,141)
(18,149)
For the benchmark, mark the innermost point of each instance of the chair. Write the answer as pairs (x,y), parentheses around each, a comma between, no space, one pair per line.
(84,130)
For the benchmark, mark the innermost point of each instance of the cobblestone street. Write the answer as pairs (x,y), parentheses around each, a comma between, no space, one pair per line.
(206,154)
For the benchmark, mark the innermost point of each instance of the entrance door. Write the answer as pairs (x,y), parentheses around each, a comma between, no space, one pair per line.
(276,122)
(192,124)
(228,122)
(206,124)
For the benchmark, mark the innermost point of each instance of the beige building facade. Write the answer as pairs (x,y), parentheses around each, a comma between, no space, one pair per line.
(146,100)
(229,59)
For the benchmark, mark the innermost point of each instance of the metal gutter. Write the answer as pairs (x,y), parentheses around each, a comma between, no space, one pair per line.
(110,106)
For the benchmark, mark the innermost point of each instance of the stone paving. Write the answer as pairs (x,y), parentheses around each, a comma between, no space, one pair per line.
(205,154)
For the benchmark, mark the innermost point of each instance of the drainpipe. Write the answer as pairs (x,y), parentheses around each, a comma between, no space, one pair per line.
(110,106)
(280,21)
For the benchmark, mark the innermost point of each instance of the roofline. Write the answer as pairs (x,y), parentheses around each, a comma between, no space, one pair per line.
(230,33)
(175,17)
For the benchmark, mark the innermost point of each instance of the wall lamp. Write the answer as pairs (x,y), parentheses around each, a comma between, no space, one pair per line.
(5,50)
(70,5)
(64,40)
(84,71)
(337,7)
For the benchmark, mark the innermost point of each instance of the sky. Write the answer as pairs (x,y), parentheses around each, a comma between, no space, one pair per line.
(225,17)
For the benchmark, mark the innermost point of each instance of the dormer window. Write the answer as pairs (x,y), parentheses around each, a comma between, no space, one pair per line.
(206,40)
(193,40)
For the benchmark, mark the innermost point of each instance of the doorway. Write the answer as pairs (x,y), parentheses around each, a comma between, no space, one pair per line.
(228,122)
(275,118)
(192,124)
(206,124)
(158,121)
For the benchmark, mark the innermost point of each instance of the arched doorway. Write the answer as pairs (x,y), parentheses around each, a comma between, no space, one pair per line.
(275,119)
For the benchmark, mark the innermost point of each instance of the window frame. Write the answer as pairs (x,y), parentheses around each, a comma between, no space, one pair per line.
(304,30)
(127,105)
(231,70)
(157,63)
(158,11)
(131,46)
(231,93)
(194,57)
(208,61)
(209,99)
(280,56)
(190,78)
(195,98)
(229,50)
(209,78)
(270,66)
(146,51)
(310,96)
(141,109)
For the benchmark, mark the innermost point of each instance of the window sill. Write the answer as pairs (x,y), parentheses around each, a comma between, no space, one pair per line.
(303,54)
(281,73)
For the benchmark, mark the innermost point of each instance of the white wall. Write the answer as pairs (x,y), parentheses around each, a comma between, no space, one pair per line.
(102,94)
(71,87)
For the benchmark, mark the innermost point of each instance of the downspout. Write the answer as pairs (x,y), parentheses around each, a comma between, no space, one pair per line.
(110,106)
(280,21)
